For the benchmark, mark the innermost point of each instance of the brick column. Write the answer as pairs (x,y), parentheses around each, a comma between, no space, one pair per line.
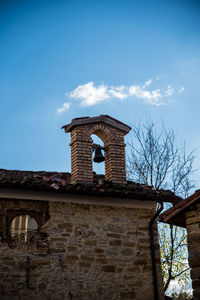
(115,168)
(81,155)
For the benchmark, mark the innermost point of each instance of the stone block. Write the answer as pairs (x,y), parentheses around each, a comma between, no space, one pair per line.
(132,269)
(84,264)
(72,248)
(90,243)
(194,237)
(40,261)
(60,245)
(109,268)
(193,227)
(129,244)
(114,235)
(87,258)
(140,261)
(115,243)
(128,295)
(193,220)
(98,251)
(195,273)
(101,261)
(70,259)
(127,252)
(115,229)
(194,257)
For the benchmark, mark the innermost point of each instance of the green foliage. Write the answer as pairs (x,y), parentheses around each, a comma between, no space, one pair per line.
(182,296)
(174,254)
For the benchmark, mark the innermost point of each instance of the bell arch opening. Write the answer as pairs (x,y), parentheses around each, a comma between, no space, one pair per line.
(98,168)
(101,135)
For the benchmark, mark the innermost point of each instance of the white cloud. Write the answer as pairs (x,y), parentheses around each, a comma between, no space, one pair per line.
(90,94)
(169,91)
(151,97)
(181,90)
(147,83)
(141,93)
(118,92)
(63,108)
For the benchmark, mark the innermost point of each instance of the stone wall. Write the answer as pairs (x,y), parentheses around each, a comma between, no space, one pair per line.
(92,252)
(193,229)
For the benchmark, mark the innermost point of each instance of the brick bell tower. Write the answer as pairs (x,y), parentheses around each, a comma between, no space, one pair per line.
(111,132)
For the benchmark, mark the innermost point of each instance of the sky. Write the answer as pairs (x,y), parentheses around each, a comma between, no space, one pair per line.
(65,59)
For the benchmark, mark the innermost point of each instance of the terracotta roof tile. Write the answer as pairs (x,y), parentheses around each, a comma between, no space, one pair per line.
(60,182)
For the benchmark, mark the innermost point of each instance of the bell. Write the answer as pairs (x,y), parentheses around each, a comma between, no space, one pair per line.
(98,156)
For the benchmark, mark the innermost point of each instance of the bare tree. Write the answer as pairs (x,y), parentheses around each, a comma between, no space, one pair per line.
(155,159)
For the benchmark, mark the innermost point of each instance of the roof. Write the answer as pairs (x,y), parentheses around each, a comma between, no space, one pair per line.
(99,119)
(60,182)
(176,214)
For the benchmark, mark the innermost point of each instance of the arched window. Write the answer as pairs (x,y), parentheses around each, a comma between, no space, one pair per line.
(23,225)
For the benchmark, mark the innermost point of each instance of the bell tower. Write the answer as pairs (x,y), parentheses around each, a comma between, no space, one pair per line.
(111,132)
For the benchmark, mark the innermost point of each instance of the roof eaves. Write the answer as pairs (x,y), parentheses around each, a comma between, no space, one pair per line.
(173,212)
(102,118)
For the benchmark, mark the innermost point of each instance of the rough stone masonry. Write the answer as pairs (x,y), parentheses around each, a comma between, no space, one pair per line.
(91,252)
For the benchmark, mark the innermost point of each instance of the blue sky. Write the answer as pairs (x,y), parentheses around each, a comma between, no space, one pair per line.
(66,59)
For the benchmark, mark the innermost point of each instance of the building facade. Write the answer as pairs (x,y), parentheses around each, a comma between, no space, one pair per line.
(80,235)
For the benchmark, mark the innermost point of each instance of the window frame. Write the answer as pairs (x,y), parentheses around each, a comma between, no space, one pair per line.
(11,214)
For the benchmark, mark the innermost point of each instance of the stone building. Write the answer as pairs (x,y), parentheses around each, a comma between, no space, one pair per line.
(187,214)
(80,235)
